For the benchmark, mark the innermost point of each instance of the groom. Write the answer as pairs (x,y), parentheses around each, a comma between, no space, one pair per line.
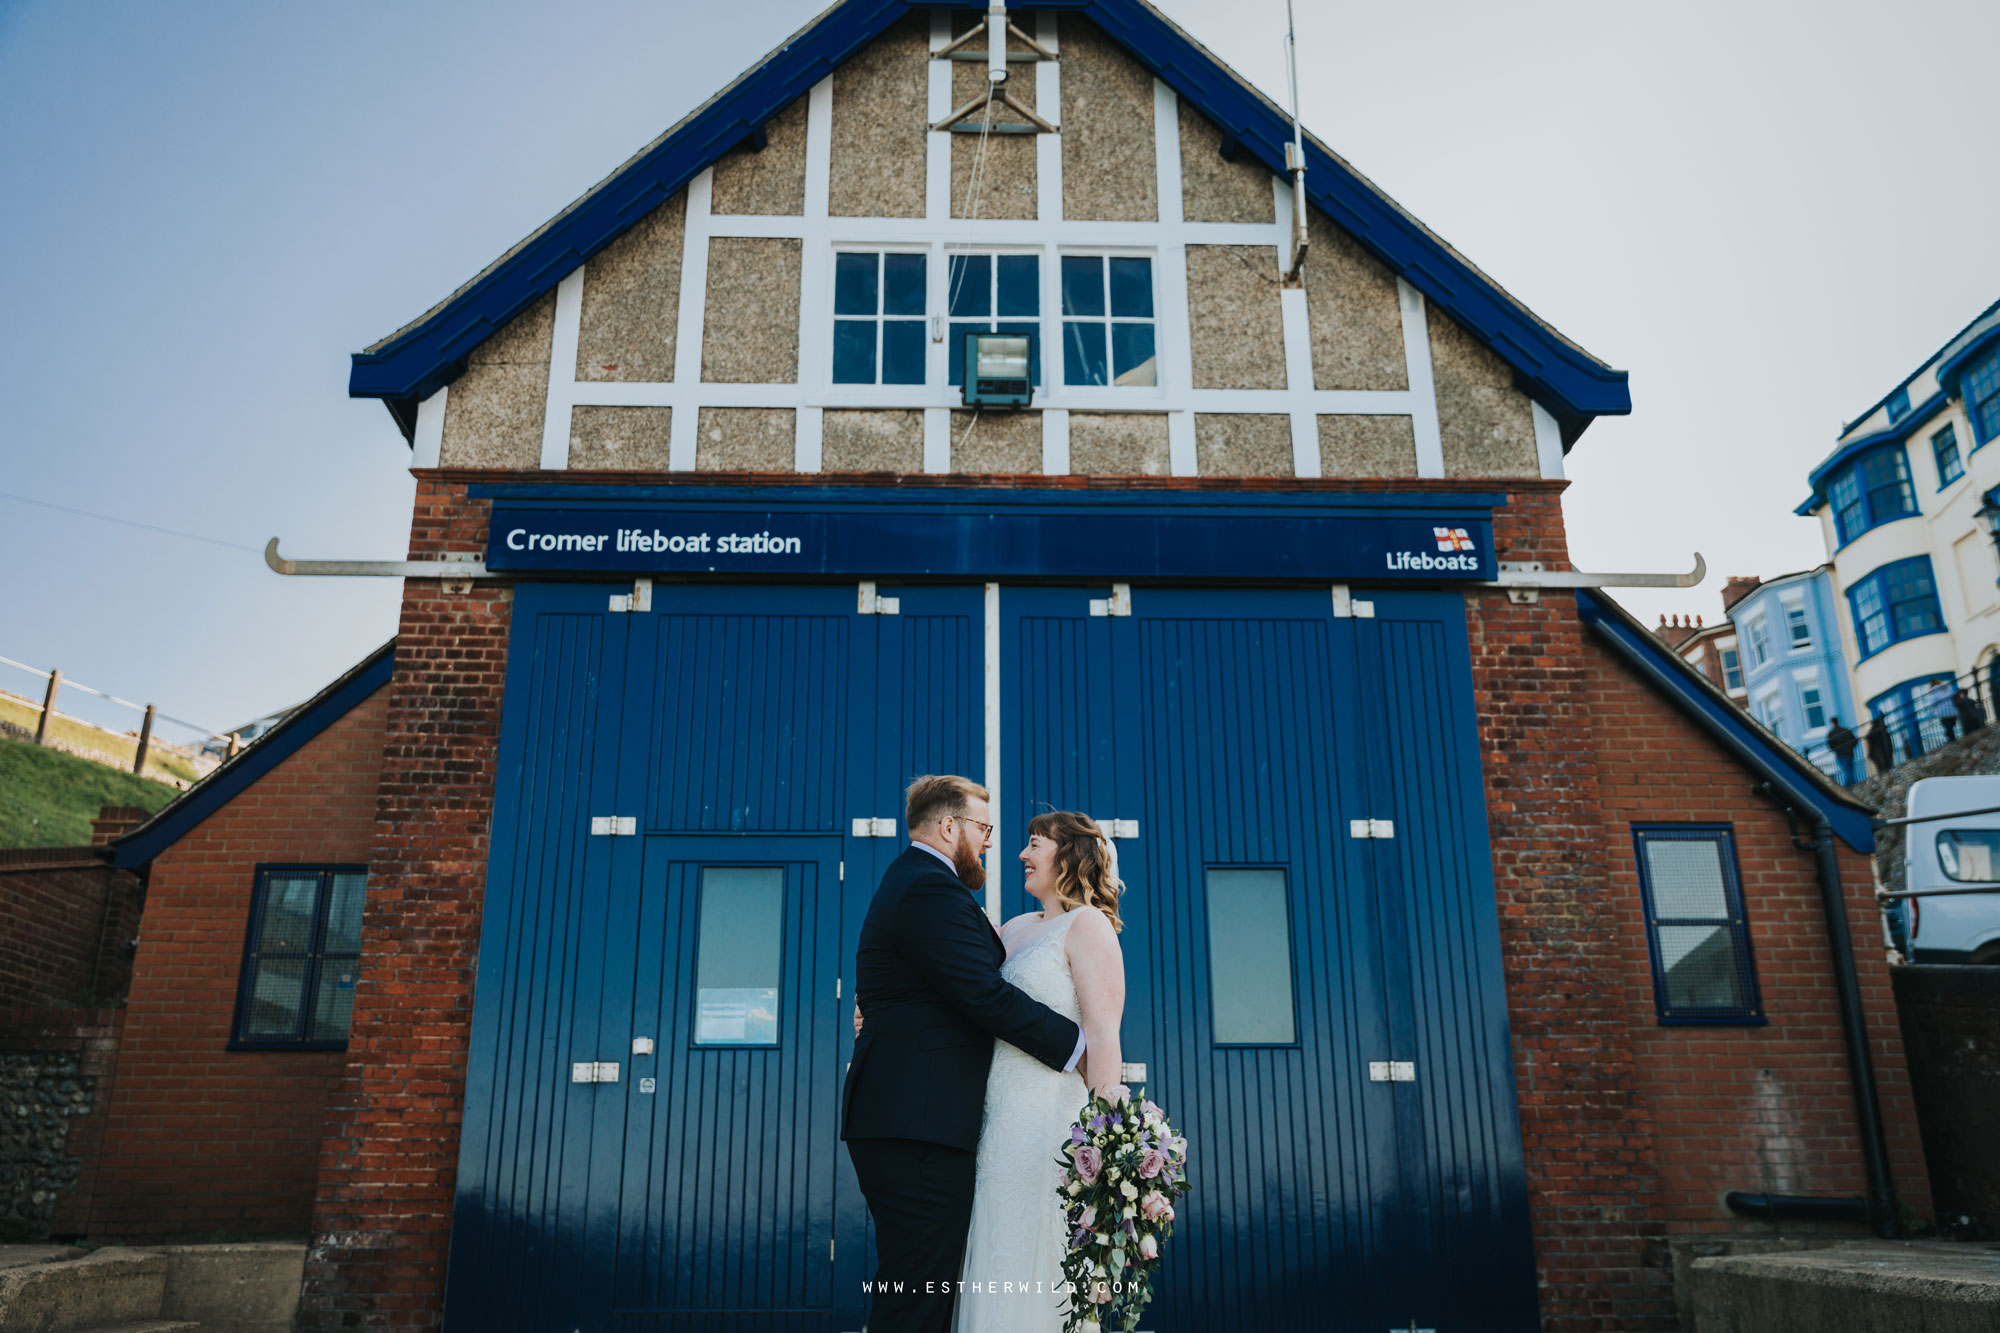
(927,979)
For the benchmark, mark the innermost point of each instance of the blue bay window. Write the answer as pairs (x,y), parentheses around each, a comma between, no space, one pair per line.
(1944,448)
(1913,716)
(1696,932)
(1981,386)
(1871,490)
(1896,602)
(302,958)
(1899,404)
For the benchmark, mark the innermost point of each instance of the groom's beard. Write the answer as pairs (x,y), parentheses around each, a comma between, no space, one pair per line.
(965,860)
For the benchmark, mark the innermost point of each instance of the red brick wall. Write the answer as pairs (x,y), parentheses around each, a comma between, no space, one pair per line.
(65,917)
(1758,1109)
(200,1138)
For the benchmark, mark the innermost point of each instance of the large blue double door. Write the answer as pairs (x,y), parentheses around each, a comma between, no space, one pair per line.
(661,1021)
(1321,1012)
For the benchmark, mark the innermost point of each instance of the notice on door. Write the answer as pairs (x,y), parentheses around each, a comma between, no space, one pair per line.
(736,1016)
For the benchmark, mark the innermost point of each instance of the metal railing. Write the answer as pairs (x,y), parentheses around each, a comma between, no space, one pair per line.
(1913,728)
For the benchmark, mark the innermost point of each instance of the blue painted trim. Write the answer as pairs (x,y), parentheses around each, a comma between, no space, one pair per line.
(1903,383)
(1942,629)
(1853,449)
(1875,526)
(1877,573)
(1949,372)
(1749,1014)
(180,816)
(1798,780)
(1571,383)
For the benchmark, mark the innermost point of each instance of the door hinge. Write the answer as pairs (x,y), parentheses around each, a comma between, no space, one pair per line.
(1119,603)
(1131,1071)
(1345,605)
(1119,828)
(639,599)
(1371,828)
(843,872)
(613,826)
(594,1071)
(836,988)
(1392,1071)
(868,604)
(871,828)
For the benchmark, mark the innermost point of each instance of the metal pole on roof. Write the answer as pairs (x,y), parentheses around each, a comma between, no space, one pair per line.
(1295,151)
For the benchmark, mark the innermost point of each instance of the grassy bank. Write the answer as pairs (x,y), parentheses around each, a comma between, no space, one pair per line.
(161,762)
(48,798)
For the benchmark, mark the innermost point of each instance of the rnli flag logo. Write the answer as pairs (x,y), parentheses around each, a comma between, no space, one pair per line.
(1452,539)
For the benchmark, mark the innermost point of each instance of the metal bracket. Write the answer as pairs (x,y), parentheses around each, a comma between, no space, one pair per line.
(1119,828)
(613,826)
(957,119)
(1525,579)
(868,604)
(1371,828)
(452,565)
(639,599)
(1392,1071)
(594,1071)
(1119,603)
(874,828)
(1344,604)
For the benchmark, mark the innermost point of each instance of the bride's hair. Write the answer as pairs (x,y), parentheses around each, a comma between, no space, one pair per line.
(1086,866)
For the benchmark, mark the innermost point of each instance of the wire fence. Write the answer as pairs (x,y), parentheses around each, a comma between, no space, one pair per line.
(69,684)
(1914,725)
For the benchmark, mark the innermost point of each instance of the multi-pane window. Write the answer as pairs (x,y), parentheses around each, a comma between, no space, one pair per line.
(1108,330)
(1797,631)
(992,294)
(878,317)
(1898,601)
(1250,957)
(1811,704)
(1759,636)
(1899,404)
(1703,971)
(302,957)
(1870,491)
(1771,712)
(1732,670)
(1981,386)
(1944,447)
(738,955)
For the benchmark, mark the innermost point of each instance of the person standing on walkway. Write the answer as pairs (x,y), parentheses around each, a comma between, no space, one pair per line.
(1842,742)
(1881,751)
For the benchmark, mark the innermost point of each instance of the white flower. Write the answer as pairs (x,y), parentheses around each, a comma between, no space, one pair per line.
(1130,1212)
(1088,1326)
(1075,1188)
(1127,1189)
(1149,1248)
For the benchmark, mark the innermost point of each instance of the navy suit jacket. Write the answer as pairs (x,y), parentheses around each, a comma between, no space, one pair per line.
(927,977)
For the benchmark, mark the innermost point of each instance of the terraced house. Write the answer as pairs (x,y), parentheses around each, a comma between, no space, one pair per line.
(1085,432)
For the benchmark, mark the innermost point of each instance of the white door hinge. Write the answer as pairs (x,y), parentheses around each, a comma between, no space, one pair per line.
(870,828)
(1392,1071)
(1371,828)
(639,599)
(613,826)
(1119,828)
(868,604)
(1119,603)
(594,1071)
(836,988)
(1344,605)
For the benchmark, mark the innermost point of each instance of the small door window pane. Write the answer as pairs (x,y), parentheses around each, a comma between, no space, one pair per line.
(738,955)
(1250,957)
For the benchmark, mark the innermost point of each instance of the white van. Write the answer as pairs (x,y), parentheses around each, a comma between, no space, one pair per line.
(1950,853)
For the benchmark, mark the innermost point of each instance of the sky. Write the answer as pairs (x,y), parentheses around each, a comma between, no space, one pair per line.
(1769,213)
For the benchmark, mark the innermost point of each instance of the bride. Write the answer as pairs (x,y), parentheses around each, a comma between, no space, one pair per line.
(1066,955)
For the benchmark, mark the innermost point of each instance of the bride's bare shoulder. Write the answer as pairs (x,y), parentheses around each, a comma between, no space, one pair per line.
(1015,922)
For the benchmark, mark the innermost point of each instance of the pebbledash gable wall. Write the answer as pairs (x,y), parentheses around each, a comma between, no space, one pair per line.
(199,1138)
(1762,1109)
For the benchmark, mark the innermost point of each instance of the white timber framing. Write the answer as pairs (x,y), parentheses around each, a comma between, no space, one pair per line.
(427,444)
(1049,234)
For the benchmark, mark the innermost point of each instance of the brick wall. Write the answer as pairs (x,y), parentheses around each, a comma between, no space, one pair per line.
(1764,1108)
(56,1070)
(65,920)
(199,1138)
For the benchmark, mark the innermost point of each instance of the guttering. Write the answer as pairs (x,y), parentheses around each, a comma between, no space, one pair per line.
(1880,1205)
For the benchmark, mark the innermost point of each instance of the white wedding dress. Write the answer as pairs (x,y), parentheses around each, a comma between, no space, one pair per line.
(1012,1274)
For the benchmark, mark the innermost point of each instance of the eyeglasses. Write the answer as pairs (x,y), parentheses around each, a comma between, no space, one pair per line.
(985,830)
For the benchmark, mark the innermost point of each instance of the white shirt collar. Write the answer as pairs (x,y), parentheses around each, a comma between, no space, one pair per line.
(926,847)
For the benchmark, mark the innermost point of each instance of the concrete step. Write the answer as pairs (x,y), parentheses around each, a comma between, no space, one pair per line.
(252,1287)
(1854,1287)
(110,1286)
(146,1326)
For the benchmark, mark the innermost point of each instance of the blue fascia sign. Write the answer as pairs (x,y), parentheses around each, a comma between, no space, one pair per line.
(689,531)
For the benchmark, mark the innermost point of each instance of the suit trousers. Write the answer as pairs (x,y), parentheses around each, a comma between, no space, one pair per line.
(920,1196)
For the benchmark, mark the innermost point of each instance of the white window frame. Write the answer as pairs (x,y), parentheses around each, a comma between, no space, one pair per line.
(878,394)
(1730,646)
(1757,634)
(1087,396)
(1809,680)
(1796,605)
(1770,701)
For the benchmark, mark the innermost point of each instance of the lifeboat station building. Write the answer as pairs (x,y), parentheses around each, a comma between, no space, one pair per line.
(1083,432)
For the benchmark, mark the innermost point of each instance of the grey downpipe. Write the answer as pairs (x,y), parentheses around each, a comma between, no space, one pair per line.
(1880,1205)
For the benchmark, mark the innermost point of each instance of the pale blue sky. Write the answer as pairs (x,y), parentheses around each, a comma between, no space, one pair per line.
(1768,213)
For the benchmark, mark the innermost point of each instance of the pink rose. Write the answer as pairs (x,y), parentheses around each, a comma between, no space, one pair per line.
(1155,1206)
(1149,1248)
(1089,1162)
(1150,1164)
(1089,1215)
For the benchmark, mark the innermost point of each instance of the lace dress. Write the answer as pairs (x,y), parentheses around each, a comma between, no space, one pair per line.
(1017,1225)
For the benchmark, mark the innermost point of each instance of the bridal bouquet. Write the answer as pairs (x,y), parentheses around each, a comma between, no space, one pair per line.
(1121,1171)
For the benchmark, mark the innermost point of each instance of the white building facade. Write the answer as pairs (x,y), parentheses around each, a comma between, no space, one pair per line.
(1906,504)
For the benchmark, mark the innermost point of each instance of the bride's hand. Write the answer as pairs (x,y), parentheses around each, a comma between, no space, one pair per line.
(857,1019)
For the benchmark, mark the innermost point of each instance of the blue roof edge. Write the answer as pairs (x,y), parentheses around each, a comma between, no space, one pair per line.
(1573,385)
(1801,783)
(1896,434)
(180,816)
